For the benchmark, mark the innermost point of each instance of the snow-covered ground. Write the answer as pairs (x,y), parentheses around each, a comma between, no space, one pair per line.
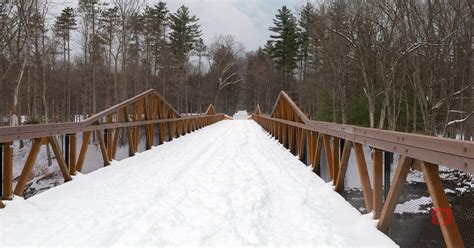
(241,115)
(226,184)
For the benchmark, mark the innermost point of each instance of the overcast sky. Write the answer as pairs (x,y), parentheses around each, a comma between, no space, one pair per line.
(247,20)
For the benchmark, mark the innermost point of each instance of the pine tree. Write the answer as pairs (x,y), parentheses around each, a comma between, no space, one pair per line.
(109,21)
(185,32)
(285,43)
(305,21)
(65,23)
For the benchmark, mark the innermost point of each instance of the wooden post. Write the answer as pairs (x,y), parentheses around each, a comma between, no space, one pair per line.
(82,154)
(450,230)
(103,149)
(343,165)
(403,169)
(59,158)
(162,132)
(116,136)
(72,153)
(364,176)
(30,161)
(109,140)
(299,135)
(378,175)
(327,148)
(335,158)
(7,171)
(317,151)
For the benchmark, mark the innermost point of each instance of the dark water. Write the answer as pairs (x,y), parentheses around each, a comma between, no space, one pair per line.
(417,229)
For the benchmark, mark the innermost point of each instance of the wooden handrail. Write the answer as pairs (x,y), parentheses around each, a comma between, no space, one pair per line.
(147,110)
(420,152)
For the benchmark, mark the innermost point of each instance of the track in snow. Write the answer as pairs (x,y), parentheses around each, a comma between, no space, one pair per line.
(226,184)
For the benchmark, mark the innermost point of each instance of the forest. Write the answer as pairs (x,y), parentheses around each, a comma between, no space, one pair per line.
(404,65)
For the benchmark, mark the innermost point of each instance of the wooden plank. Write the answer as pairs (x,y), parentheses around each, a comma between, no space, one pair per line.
(364,176)
(335,158)
(30,161)
(116,136)
(309,146)
(53,141)
(162,133)
(110,133)
(7,171)
(343,164)
(448,225)
(299,133)
(327,149)
(317,151)
(378,182)
(72,153)
(82,154)
(394,193)
(103,149)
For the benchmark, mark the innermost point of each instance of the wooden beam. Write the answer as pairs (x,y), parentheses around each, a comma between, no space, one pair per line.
(7,171)
(335,158)
(444,213)
(317,151)
(82,154)
(343,164)
(30,161)
(110,134)
(327,149)
(72,153)
(364,176)
(116,136)
(394,193)
(378,182)
(53,141)
(103,149)
(299,135)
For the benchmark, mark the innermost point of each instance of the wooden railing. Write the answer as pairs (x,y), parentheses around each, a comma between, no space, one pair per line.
(291,127)
(147,110)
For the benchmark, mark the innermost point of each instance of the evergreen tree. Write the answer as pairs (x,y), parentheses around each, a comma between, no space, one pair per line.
(109,21)
(285,42)
(304,38)
(65,23)
(185,32)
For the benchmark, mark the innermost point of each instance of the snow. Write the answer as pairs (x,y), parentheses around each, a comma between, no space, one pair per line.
(226,184)
(414,206)
(240,115)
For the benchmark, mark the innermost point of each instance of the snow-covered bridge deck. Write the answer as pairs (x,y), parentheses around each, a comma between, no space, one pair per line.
(226,184)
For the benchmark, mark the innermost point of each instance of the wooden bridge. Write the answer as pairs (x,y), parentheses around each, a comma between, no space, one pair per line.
(316,144)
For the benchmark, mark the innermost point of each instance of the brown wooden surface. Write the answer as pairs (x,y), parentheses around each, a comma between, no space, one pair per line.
(327,149)
(103,148)
(26,171)
(378,182)
(343,164)
(53,141)
(450,230)
(72,153)
(317,150)
(7,171)
(335,159)
(394,193)
(82,154)
(364,176)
